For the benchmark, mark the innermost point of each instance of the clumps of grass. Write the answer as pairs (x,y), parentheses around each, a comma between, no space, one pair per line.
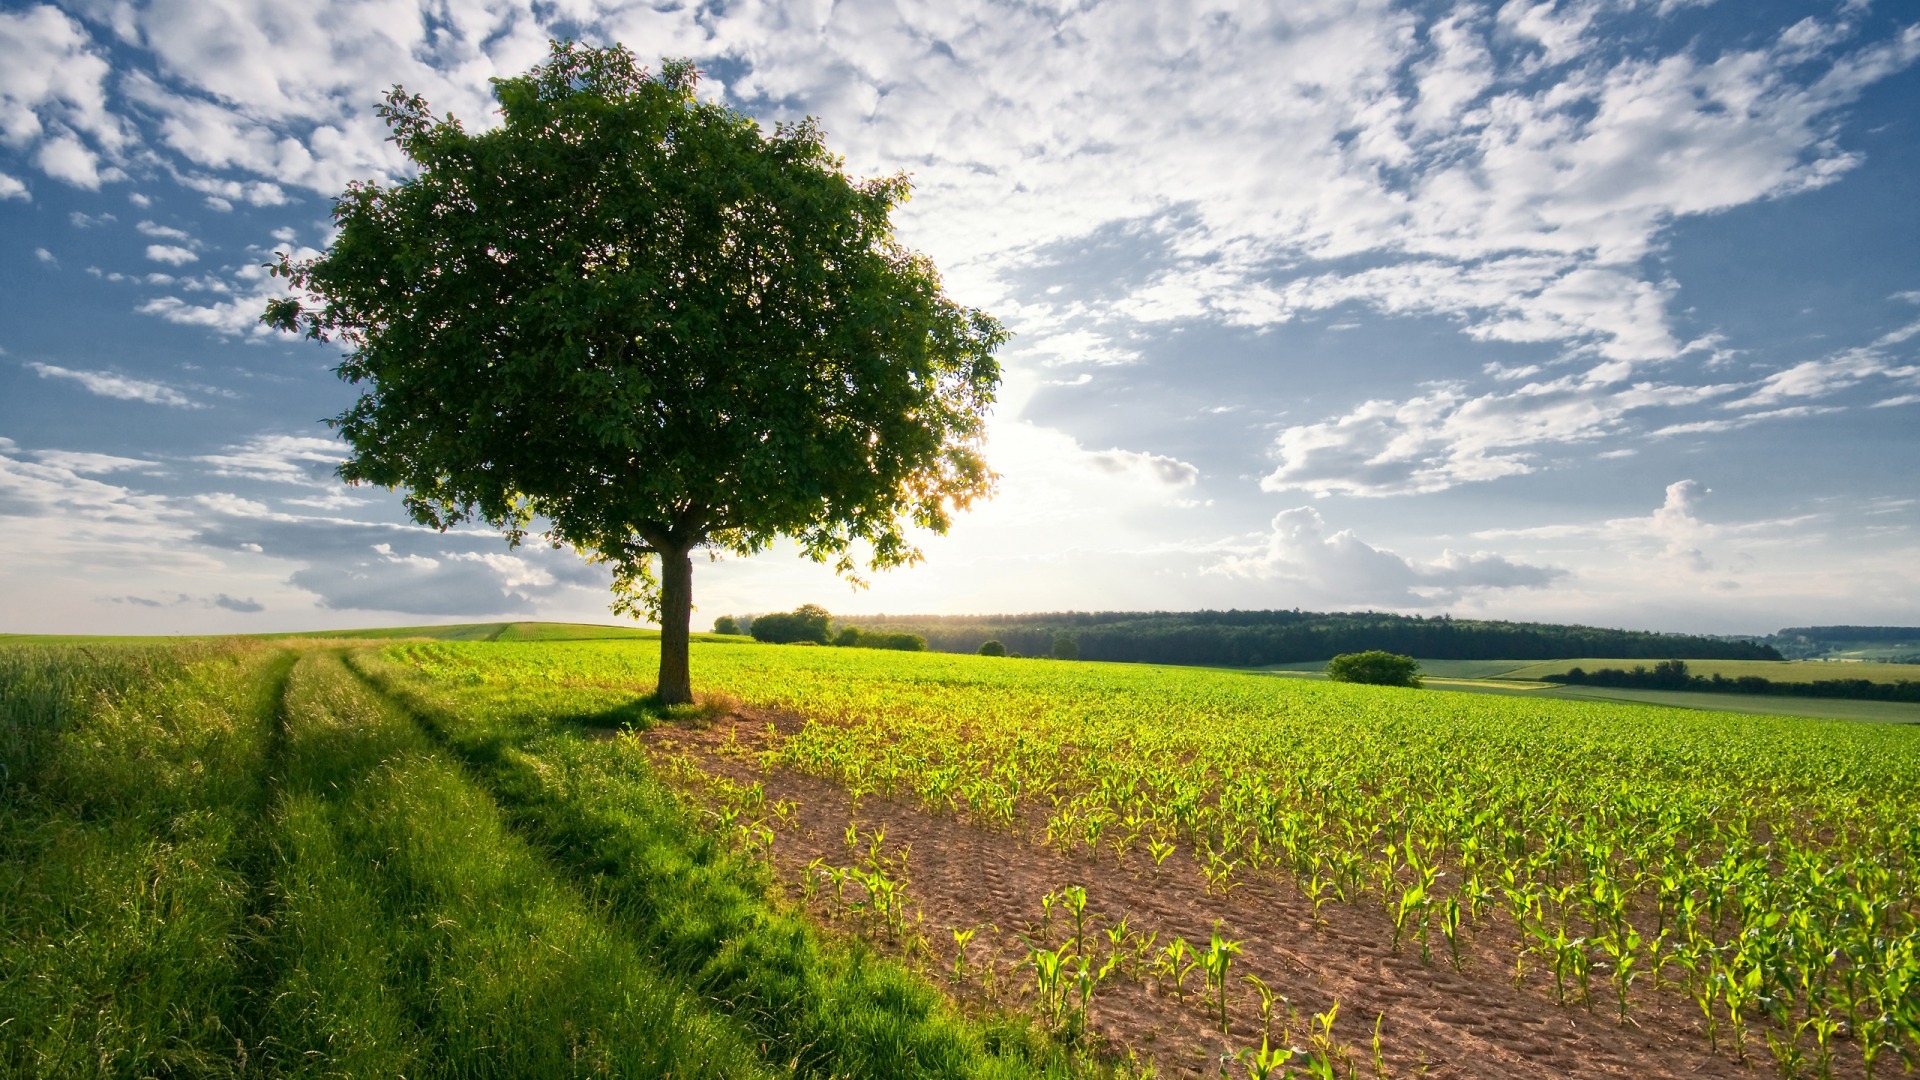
(135,774)
(417,934)
(702,910)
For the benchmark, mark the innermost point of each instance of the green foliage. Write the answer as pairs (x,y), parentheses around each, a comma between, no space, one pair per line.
(1673,675)
(1256,638)
(127,820)
(1375,668)
(808,622)
(726,624)
(628,313)
(990,647)
(1777,857)
(688,900)
(1065,648)
(854,637)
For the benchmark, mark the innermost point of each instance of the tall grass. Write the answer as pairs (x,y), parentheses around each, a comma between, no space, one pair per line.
(826,1008)
(134,776)
(416,935)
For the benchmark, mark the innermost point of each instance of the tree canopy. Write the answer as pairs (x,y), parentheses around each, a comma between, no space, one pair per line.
(631,320)
(1375,666)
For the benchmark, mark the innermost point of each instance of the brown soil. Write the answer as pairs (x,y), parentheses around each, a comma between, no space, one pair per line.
(1436,1021)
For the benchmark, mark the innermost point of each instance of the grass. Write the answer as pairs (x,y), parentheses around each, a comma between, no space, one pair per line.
(1776,670)
(240,858)
(1731,851)
(418,934)
(687,899)
(135,788)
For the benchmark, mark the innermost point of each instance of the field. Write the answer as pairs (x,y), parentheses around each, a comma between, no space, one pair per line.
(1776,670)
(494,857)
(1521,678)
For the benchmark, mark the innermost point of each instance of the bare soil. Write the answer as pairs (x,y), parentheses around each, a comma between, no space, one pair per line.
(1433,1020)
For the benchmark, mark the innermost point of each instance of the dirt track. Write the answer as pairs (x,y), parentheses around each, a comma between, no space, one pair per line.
(1437,1021)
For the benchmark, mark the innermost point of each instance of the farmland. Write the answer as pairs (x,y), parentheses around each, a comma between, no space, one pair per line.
(849,859)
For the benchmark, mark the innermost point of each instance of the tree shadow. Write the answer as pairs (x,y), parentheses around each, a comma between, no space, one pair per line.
(647,711)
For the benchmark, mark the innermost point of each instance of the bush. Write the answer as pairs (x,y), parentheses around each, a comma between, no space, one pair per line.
(1065,648)
(992,648)
(726,624)
(808,622)
(1376,668)
(856,638)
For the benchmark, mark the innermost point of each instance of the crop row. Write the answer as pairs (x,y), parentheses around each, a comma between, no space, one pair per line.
(1765,867)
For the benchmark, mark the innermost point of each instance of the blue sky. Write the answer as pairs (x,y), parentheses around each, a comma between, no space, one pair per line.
(1603,311)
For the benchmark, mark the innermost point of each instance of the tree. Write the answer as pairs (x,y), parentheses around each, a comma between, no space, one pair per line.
(808,622)
(726,624)
(629,320)
(991,647)
(1375,666)
(1065,648)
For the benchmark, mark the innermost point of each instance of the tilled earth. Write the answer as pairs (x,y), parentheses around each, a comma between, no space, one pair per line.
(1433,1020)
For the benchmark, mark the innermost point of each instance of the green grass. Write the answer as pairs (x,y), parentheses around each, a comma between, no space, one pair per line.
(238,858)
(417,934)
(1750,842)
(1776,670)
(136,785)
(687,899)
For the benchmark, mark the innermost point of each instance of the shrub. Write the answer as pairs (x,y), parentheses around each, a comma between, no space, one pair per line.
(992,648)
(726,624)
(808,622)
(1065,648)
(1375,667)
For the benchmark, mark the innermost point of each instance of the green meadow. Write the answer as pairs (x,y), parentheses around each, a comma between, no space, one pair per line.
(427,852)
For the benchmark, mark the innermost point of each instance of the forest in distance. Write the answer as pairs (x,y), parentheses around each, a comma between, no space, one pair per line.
(1258,638)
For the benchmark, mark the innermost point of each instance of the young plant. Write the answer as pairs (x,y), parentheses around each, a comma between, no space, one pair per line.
(1216,960)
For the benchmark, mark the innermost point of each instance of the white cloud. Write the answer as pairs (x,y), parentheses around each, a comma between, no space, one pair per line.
(1519,205)
(1152,468)
(171,254)
(83,463)
(1342,569)
(238,315)
(45,256)
(1735,423)
(1447,437)
(13,188)
(162,232)
(53,99)
(109,384)
(279,459)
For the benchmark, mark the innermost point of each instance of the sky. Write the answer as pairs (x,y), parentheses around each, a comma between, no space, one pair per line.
(1601,311)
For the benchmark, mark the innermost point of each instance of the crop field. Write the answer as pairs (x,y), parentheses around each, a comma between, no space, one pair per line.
(1776,670)
(493,857)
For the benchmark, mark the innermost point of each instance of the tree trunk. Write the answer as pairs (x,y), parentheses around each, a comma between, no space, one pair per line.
(676,610)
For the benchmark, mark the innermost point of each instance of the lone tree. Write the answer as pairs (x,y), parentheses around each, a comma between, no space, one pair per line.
(1375,666)
(629,320)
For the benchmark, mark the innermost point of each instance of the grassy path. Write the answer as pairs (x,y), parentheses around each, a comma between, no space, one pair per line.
(703,912)
(224,859)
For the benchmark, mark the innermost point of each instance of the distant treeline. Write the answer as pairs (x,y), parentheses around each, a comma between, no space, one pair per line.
(1883,642)
(1255,638)
(1673,675)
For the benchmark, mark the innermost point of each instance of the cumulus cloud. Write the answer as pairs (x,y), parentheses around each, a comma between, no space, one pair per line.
(1514,189)
(12,188)
(236,313)
(1832,374)
(1152,468)
(125,388)
(1340,568)
(302,460)
(1447,436)
(53,99)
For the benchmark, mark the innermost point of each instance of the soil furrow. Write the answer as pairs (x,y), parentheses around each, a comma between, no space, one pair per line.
(1434,1020)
